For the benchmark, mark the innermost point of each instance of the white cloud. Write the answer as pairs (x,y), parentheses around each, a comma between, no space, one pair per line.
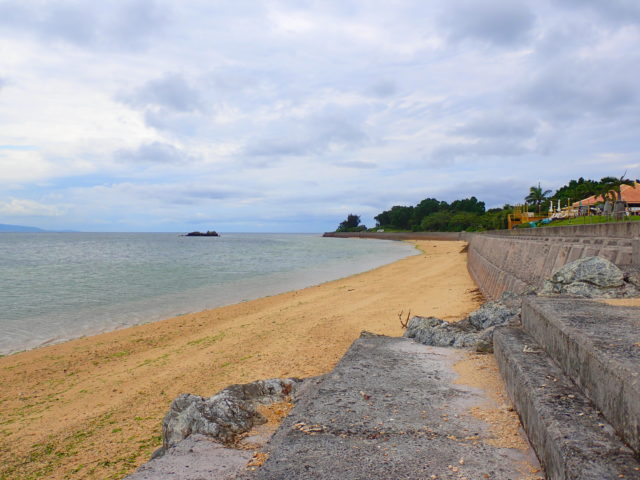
(23,166)
(20,207)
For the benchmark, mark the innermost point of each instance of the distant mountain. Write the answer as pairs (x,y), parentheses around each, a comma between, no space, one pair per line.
(19,228)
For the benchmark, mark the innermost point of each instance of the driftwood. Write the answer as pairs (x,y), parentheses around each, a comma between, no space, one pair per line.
(404,323)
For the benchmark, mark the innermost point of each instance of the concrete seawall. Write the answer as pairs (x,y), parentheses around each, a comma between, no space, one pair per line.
(517,259)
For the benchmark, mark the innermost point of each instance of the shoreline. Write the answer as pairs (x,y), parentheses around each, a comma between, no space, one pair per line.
(92,407)
(143,311)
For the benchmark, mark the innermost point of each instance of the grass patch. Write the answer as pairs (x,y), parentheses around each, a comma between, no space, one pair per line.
(12,367)
(589,220)
(207,341)
(120,354)
(154,361)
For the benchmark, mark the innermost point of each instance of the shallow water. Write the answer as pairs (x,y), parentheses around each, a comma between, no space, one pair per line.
(59,286)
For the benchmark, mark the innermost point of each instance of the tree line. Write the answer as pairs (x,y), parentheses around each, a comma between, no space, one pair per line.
(470,214)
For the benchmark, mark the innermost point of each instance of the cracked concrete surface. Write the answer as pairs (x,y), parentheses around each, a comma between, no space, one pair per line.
(390,409)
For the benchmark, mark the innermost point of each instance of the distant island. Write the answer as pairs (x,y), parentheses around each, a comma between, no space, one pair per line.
(19,228)
(201,234)
(6,228)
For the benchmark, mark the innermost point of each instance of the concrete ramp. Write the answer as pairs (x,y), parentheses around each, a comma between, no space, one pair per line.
(390,409)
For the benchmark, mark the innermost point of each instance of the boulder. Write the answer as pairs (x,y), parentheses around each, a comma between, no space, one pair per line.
(589,277)
(485,341)
(475,331)
(225,415)
(633,277)
(495,313)
(436,332)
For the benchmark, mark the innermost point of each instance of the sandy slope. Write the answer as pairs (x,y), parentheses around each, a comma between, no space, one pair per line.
(92,407)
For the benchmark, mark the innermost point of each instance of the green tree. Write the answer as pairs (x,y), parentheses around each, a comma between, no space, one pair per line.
(436,222)
(397,217)
(351,224)
(536,196)
(577,190)
(426,207)
(471,205)
(383,219)
(401,216)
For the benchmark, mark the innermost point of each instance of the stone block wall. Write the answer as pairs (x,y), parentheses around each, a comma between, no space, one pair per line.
(516,259)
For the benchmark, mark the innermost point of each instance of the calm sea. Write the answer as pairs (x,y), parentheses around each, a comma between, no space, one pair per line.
(57,286)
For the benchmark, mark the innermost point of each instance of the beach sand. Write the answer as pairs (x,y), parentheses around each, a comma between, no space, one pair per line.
(93,407)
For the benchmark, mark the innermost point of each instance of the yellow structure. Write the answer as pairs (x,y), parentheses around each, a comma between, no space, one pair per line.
(521,214)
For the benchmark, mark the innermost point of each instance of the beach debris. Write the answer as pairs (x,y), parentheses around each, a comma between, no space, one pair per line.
(590,277)
(308,429)
(404,323)
(258,459)
(227,414)
(475,331)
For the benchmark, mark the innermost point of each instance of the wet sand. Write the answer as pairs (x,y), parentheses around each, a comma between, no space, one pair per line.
(92,407)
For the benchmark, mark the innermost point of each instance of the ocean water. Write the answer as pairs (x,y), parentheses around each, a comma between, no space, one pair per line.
(58,286)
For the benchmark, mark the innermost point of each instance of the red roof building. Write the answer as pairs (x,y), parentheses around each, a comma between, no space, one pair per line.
(630,194)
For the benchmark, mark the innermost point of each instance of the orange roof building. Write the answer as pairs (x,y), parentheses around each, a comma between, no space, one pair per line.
(630,194)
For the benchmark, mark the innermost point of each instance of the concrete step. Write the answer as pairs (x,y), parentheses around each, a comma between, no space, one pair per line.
(598,347)
(390,410)
(571,437)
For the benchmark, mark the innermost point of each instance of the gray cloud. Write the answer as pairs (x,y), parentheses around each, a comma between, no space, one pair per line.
(127,26)
(621,11)
(196,194)
(498,126)
(355,164)
(494,192)
(446,155)
(154,153)
(171,91)
(384,88)
(190,193)
(499,22)
(569,89)
(316,136)
(185,124)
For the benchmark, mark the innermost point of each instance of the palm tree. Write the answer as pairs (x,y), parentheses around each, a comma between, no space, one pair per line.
(612,185)
(537,196)
(611,189)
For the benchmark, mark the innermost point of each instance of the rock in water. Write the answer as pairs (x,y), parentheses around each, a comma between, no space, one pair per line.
(225,415)
(588,277)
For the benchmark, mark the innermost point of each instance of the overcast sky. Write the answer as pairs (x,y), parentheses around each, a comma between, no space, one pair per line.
(285,116)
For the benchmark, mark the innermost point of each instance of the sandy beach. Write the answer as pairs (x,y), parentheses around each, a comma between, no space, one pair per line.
(92,407)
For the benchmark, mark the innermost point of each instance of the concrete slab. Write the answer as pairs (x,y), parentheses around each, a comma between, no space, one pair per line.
(390,409)
(195,458)
(571,437)
(598,347)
